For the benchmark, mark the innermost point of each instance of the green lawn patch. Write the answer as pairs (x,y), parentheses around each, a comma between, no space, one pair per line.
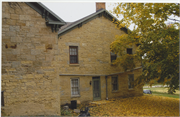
(165,94)
(162,91)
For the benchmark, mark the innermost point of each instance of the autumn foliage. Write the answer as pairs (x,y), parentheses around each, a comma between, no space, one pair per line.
(157,43)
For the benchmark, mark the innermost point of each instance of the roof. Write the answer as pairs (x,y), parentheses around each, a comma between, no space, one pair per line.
(51,18)
(86,19)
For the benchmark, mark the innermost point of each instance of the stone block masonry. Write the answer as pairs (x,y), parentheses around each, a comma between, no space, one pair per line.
(94,60)
(29,63)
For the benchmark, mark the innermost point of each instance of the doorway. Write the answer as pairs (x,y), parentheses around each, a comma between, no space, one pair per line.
(96,88)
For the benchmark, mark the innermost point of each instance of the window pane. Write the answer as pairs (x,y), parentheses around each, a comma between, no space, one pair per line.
(112,53)
(131,79)
(115,83)
(75,87)
(73,54)
(76,91)
(73,50)
(73,59)
(113,56)
(129,50)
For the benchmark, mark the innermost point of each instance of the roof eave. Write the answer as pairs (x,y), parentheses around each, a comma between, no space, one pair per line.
(51,18)
(51,12)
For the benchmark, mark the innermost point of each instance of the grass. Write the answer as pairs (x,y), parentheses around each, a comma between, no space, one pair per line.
(162,91)
(166,94)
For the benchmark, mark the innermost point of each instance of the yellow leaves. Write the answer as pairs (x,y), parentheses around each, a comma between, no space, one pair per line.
(166,80)
(137,36)
(151,82)
(143,12)
(147,105)
(156,79)
(159,71)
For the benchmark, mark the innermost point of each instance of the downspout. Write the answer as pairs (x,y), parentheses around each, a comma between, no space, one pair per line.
(106,89)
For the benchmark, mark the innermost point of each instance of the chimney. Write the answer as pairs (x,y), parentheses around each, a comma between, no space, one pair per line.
(100,5)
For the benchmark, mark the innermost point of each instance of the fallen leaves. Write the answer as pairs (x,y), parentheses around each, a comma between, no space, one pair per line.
(147,105)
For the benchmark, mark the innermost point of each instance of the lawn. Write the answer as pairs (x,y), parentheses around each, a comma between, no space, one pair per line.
(162,91)
(147,105)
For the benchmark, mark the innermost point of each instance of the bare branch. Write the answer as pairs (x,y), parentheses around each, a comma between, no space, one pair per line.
(174,20)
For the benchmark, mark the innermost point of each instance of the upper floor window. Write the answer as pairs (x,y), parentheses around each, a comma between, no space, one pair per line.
(113,57)
(130,81)
(129,50)
(73,53)
(114,83)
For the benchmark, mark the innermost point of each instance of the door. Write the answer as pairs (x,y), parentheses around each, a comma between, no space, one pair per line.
(96,88)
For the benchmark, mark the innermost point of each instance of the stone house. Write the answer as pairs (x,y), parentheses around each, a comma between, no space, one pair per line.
(43,69)
(86,71)
(30,67)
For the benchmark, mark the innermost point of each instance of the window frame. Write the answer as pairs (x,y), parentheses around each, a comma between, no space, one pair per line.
(129,82)
(113,55)
(112,77)
(129,49)
(2,98)
(75,95)
(73,55)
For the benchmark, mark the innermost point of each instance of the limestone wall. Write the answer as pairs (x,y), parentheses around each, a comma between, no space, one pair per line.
(29,63)
(123,89)
(86,90)
(93,40)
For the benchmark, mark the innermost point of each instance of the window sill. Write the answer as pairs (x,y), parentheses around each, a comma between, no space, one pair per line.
(131,89)
(113,64)
(73,64)
(74,96)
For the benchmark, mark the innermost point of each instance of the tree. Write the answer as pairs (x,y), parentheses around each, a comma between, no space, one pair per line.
(158,43)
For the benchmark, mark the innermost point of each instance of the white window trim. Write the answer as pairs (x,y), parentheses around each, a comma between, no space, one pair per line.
(78,87)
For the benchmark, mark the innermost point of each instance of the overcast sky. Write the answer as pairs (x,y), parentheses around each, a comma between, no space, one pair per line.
(72,11)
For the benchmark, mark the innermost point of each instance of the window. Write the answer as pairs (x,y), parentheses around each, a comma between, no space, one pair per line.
(74,86)
(131,80)
(2,98)
(114,83)
(73,52)
(113,57)
(129,50)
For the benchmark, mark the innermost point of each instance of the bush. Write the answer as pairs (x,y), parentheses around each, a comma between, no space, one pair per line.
(66,112)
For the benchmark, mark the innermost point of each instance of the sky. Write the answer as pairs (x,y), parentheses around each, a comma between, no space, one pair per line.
(74,10)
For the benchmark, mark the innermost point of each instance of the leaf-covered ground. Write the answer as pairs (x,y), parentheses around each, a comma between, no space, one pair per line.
(147,105)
